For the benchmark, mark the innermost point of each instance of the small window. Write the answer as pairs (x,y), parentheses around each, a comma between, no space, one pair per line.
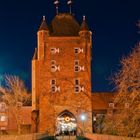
(76,50)
(53,68)
(53,62)
(2,107)
(111,105)
(76,62)
(53,82)
(53,89)
(76,89)
(52,50)
(76,68)
(77,82)
(2,128)
(2,118)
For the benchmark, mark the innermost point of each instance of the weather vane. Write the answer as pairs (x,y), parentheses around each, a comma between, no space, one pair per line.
(69,2)
(56,3)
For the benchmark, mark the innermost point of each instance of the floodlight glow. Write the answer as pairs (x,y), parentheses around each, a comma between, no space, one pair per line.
(83,117)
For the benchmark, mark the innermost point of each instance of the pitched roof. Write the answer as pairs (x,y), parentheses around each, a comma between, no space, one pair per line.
(84,25)
(35,54)
(64,24)
(43,25)
(101,101)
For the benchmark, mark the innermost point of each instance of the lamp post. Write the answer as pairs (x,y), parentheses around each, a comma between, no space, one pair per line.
(83,118)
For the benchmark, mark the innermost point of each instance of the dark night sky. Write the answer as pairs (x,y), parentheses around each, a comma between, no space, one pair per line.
(113,23)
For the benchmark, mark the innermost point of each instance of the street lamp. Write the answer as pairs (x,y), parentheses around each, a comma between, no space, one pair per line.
(83,118)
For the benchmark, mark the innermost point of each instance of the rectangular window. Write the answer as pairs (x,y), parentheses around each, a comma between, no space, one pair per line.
(76,50)
(2,107)
(2,118)
(76,68)
(77,82)
(76,62)
(76,89)
(53,88)
(53,82)
(111,105)
(53,68)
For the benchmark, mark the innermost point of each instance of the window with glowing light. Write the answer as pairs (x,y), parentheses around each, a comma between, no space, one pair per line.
(2,118)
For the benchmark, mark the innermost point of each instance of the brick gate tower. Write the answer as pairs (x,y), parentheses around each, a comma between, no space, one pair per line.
(61,76)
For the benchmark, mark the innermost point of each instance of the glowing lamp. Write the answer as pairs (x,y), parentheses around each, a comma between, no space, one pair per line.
(83,117)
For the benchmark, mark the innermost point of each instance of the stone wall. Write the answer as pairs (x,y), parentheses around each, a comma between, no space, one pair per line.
(108,137)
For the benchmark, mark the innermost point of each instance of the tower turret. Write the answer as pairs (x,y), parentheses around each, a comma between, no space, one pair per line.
(84,26)
(42,34)
(84,32)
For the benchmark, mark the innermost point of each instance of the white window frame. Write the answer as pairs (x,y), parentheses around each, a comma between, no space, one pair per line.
(54,50)
(76,88)
(111,105)
(3,118)
(76,68)
(76,50)
(53,62)
(53,88)
(53,80)
(53,68)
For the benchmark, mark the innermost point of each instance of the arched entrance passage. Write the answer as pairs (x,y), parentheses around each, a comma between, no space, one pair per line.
(66,123)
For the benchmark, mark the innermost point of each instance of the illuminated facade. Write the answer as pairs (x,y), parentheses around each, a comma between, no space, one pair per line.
(61,76)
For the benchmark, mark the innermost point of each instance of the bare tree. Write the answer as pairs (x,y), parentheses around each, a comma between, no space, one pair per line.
(126,120)
(15,96)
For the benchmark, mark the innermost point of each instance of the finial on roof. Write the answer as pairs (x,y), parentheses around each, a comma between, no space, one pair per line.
(84,17)
(56,3)
(84,25)
(43,25)
(44,18)
(69,2)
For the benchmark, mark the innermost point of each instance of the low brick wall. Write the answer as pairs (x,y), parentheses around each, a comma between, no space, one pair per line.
(22,137)
(16,137)
(108,137)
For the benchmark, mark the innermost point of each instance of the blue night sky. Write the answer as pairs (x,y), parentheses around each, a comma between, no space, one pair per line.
(113,23)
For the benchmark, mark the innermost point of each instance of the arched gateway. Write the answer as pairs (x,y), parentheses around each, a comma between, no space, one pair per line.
(66,123)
